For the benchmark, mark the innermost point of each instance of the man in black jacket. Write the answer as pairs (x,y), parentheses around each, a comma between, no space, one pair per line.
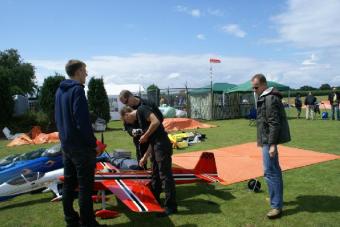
(334,100)
(78,145)
(272,129)
(310,102)
(298,104)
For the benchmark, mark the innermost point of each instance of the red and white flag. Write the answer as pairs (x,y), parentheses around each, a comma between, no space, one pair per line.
(215,60)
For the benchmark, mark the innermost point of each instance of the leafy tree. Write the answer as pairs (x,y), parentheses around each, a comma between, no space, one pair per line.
(20,74)
(98,100)
(47,97)
(307,88)
(6,101)
(153,94)
(325,87)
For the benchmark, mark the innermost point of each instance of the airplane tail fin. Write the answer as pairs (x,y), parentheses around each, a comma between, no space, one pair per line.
(206,168)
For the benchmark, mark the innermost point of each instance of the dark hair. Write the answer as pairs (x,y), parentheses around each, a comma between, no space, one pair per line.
(125,94)
(262,79)
(72,66)
(125,110)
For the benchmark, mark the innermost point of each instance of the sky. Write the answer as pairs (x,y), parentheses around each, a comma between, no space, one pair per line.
(169,43)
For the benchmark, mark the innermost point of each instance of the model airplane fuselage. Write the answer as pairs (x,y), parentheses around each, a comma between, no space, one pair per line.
(29,182)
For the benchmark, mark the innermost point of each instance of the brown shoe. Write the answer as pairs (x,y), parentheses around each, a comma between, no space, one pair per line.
(274,213)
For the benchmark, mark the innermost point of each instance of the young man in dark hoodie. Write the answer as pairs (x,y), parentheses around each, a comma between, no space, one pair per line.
(78,144)
(272,129)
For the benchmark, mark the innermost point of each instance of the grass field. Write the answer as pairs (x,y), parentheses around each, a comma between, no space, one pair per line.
(311,194)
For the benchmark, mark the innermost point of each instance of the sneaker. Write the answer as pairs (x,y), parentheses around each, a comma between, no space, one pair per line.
(167,212)
(274,213)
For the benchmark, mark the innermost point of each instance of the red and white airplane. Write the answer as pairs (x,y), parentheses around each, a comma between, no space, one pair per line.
(132,187)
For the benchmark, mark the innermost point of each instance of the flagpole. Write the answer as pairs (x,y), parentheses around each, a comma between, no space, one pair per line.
(211,90)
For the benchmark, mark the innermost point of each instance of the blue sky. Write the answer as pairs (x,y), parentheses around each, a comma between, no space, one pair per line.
(169,42)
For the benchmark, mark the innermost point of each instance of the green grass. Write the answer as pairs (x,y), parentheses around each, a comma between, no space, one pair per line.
(311,193)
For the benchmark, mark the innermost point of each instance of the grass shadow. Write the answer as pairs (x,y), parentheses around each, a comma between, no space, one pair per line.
(26,203)
(314,204)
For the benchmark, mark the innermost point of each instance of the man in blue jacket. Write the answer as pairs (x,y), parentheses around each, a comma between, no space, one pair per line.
(78,144)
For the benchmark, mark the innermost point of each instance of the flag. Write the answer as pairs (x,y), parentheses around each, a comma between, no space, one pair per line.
(215,60)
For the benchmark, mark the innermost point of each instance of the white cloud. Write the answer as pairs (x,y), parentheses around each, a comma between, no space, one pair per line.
(174,75)
(310,61)
(201,36)
(234,29)
(186,10)
(146,69)
(195,13)
(310,23)
(216,12)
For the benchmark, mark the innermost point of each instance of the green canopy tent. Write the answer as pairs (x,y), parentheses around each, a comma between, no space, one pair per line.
(247,87)
(206,102)
(217,88)
(245,91)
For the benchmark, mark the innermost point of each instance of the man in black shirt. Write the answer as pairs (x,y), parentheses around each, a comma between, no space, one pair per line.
(127,98)
(161,151)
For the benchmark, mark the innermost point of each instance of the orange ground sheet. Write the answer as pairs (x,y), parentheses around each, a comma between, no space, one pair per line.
(242,162)
(178,124)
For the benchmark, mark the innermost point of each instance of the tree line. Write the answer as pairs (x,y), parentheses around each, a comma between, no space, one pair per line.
(17,77)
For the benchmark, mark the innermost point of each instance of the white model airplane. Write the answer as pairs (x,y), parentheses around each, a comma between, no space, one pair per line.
(29,182)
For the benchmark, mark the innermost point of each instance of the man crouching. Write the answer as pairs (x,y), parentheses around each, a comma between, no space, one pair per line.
(161,151)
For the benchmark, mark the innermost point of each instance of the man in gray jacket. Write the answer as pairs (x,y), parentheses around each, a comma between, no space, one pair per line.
(272,129)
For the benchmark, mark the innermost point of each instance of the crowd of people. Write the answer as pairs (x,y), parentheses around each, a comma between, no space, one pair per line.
(143,122)
(313,106)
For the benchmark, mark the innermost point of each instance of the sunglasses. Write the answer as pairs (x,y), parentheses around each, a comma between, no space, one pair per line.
(255,88)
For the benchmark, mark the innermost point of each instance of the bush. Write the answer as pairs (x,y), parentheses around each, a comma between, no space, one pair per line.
(6,101)
(47,98)
(25,122)
(98,100)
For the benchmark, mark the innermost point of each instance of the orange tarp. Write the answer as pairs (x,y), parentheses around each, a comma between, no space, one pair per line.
(37,138)
(242,162)
(178,124)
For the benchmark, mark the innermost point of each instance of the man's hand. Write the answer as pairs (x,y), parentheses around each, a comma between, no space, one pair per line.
(143,161)
(143,139)
(272,150)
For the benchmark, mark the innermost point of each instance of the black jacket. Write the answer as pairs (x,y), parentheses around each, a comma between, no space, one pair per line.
(72,116)
(272,124)
(331,97)
(310,100)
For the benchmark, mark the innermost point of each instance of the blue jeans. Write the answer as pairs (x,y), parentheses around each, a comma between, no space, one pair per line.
(335,111)
(273,177)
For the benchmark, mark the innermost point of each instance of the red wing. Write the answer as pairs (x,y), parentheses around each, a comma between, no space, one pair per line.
(135,195)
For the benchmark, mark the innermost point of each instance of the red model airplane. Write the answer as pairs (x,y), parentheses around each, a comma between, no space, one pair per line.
(132,187)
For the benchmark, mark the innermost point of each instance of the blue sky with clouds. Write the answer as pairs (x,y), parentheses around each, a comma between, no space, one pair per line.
(169,42)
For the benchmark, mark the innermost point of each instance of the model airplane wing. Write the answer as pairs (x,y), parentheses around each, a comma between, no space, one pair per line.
(134,194)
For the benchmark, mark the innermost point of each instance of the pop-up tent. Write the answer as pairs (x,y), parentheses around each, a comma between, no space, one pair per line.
(247,87)
(245,96)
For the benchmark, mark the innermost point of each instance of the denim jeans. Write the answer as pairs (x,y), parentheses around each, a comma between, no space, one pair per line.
(335,111)
(273,177)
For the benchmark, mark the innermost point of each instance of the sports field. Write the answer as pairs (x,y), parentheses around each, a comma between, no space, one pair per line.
(311,193)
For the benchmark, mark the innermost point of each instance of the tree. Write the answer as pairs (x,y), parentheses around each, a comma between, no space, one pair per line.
(6,101)
(98,100)
(307,88)
(325,87)
(153,94)
(47,97)
(20,74)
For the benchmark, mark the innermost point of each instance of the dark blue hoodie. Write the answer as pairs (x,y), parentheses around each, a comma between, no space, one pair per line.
(72,116)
